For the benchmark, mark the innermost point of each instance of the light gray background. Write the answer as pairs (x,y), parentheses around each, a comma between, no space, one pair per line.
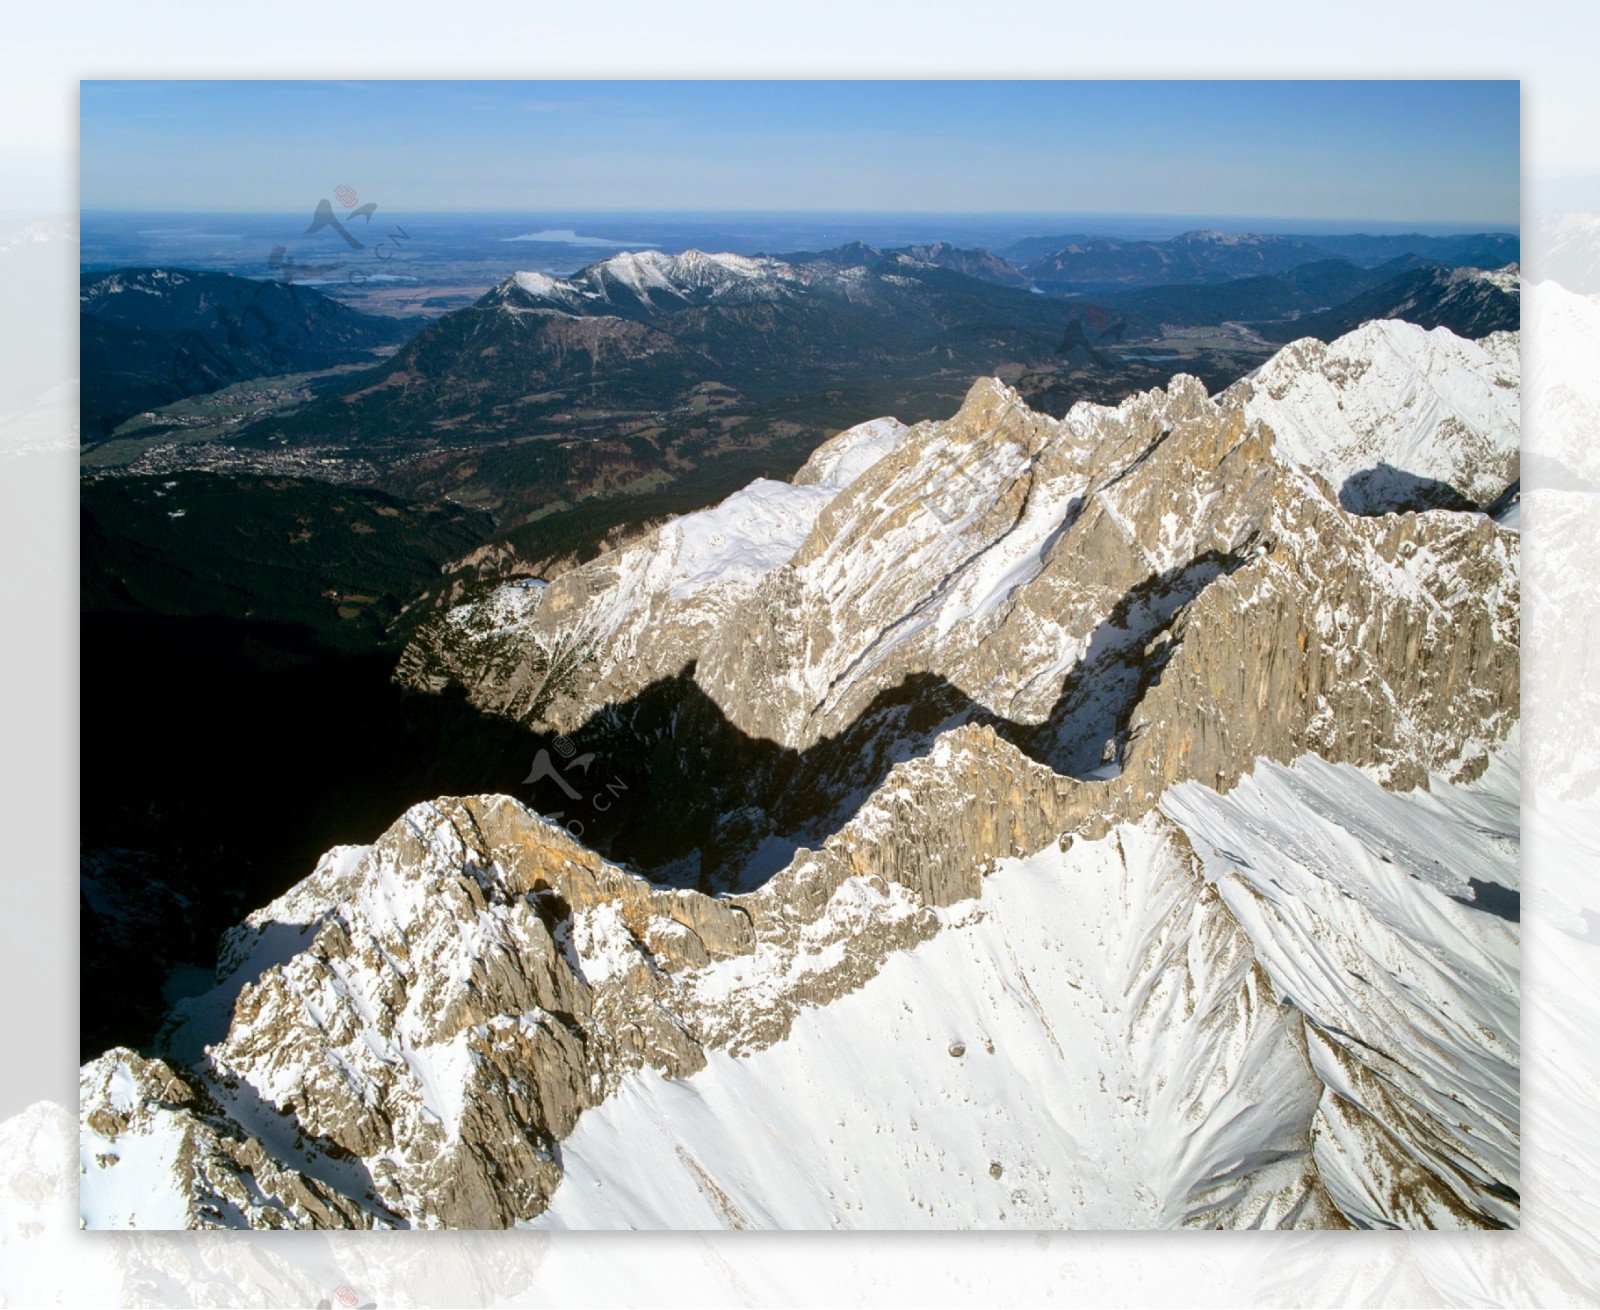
(1554,1259)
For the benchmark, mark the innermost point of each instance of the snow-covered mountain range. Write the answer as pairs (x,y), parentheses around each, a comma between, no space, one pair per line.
(648,280)
(1008,821)
(649,283)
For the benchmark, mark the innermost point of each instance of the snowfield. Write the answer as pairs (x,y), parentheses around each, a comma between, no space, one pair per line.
(1110,1039)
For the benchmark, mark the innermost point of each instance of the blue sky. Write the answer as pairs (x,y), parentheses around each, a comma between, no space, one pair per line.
(1429,152)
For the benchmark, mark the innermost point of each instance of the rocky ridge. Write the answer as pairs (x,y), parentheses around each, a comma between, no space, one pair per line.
(1133,596)
(1038,626)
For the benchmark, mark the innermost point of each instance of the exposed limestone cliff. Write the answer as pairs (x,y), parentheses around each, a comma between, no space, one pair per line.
(1152,589)
(939,649)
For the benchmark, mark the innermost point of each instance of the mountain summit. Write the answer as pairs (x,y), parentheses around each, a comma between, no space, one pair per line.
(647,282)
(1065,768)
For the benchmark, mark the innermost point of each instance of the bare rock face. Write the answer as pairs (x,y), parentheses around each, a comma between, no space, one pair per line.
(471,946)
(1152,589)
(939,647)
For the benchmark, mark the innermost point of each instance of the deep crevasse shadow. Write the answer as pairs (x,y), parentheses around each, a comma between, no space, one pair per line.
(665,783)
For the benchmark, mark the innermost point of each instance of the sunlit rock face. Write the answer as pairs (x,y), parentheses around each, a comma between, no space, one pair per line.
(1033,802)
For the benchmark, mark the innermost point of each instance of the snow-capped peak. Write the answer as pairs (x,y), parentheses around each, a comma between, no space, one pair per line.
(1507,279)
(1393,415)
(540,284)
(651,279)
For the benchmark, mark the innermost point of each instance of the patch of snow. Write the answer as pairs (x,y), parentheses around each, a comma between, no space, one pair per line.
(843,458)
(751,533)
(1090,1045)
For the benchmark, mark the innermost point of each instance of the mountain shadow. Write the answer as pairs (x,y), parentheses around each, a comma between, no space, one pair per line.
(1385,489)
(220,758)
(667,784)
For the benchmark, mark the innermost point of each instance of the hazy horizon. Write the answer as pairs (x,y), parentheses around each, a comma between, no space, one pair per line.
(1264,224)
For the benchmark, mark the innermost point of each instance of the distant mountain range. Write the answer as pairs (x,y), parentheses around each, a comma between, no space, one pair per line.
(1470,302)
(974,263)
(1324,300)
(647,371)
(152,336)
(1309,287)
(1097,264)
(640,334)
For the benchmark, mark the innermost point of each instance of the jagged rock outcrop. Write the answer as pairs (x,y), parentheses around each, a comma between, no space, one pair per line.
(433,1015)
(143,1126)
(1151,589)
(443,1005)
(938,649)
(1275,1007)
